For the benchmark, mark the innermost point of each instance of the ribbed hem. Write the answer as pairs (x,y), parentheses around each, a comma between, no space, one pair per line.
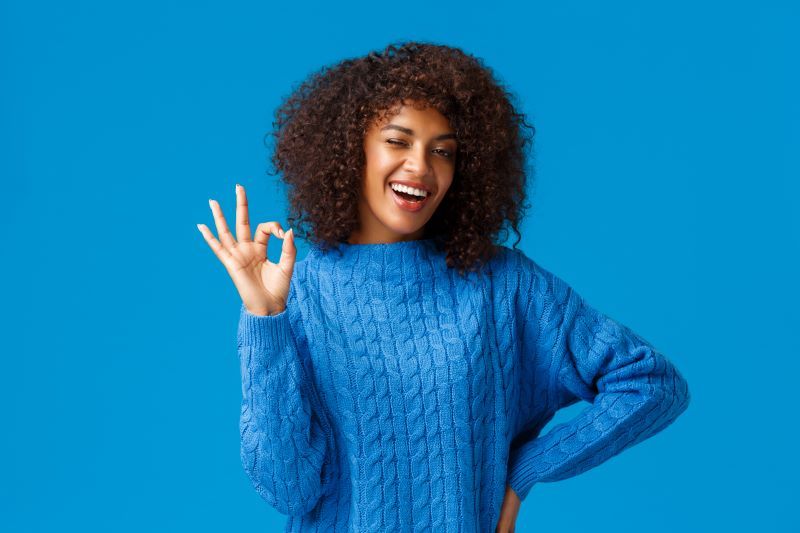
(269,331)
(521,479)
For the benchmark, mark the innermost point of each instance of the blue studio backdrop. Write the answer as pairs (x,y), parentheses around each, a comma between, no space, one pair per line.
(665,191)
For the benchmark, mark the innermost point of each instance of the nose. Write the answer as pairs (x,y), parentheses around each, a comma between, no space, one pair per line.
(417,162)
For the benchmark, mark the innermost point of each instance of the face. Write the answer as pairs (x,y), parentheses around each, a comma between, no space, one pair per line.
(410,153)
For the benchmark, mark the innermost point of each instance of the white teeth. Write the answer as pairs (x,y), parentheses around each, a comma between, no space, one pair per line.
(409,190)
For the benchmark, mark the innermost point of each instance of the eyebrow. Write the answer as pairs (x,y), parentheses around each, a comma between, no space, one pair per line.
(408,131)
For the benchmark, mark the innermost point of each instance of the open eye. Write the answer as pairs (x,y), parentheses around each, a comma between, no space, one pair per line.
(445,153)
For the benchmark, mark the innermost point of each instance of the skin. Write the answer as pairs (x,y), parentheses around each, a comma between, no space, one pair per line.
(508,512)
(392,153)
(262,284)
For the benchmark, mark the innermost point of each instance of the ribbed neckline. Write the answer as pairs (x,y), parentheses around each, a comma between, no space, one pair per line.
(407,259)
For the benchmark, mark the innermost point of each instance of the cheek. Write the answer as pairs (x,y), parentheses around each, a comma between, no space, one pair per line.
(379,168)
(380,162)
(374,181)
(447,182)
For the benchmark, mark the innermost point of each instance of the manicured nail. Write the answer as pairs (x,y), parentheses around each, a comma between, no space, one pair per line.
(198,227)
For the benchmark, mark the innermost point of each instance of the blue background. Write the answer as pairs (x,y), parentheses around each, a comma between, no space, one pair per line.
(666,192)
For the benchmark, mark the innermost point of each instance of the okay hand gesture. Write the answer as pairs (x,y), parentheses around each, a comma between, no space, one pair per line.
(263,286)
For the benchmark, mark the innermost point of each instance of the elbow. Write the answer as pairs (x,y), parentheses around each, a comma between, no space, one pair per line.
(672,396)
(292,495)
(678,389)
(681,393)
(289,504)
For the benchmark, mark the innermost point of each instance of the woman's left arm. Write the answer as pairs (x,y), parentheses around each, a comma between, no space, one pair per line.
(635,391)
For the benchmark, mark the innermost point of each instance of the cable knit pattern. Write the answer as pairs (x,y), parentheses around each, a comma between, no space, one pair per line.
(394,395)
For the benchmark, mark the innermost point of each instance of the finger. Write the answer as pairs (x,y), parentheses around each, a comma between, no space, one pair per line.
(242,216)
(220,251)
(288,253)
(222,227)
(264,230)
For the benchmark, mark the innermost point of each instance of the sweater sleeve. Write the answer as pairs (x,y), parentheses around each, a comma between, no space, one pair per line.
(634,390)
(285,437)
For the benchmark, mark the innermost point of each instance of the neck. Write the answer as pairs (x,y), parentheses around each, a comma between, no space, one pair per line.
(375,237)
(400,260)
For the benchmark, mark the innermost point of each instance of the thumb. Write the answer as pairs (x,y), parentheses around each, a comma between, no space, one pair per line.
(288,253)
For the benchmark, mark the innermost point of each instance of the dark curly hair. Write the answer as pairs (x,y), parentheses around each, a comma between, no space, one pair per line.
(319,131)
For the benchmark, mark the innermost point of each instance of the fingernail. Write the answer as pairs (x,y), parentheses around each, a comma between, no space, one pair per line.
(237,186)
(198,227)
(210,202)
(280,232)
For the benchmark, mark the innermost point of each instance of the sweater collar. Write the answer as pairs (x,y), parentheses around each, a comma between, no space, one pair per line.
(410,260)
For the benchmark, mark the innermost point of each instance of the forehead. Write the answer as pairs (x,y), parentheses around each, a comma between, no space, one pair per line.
(422,120)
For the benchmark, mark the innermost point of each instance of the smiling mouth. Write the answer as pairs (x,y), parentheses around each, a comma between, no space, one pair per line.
(409,202)
(409,197)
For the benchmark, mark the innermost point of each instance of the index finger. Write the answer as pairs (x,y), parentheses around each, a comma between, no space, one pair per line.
(242,216)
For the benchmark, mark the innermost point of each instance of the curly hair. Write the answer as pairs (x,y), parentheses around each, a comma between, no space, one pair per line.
(319,131)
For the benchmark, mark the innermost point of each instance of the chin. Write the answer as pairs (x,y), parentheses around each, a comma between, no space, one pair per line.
(402,231)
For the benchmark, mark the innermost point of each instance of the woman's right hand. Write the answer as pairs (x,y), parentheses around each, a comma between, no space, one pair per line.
(263,286)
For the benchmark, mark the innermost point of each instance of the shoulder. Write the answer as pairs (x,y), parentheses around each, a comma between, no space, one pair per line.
(515,261)
(527,276)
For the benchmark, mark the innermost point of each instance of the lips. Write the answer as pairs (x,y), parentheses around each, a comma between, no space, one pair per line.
(407,205)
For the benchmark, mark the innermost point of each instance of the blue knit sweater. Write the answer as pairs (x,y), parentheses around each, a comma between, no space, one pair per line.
(394,395)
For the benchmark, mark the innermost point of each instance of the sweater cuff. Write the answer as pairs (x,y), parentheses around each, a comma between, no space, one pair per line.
(267,331)
(521,478)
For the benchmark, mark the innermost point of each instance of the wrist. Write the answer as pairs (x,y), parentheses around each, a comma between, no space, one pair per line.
(265,311)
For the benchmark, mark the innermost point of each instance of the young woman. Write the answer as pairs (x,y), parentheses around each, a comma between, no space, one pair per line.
(398,377)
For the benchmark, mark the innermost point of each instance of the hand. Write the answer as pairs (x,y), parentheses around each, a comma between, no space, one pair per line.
(508,513)
(263,286)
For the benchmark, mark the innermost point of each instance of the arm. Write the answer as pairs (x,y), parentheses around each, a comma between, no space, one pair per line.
(285,438)
(634,390)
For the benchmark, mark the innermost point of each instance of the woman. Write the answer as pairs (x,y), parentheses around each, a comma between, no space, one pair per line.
(398,377)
